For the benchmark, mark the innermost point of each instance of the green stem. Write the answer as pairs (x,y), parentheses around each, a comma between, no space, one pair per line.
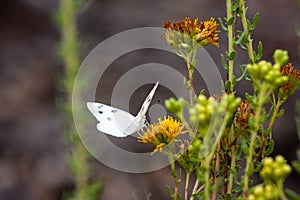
(70,57)
(209,157)
(246,30)
(232,170)
(207,184)
(217,172)
(191,75)
(173,171)
(195,188)
(186,190)
(261,97)
(69,42)
(230,43)
(274,114)
(281,191)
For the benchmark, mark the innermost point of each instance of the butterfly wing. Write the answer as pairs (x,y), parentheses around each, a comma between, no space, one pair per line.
(141,115)
(113,121)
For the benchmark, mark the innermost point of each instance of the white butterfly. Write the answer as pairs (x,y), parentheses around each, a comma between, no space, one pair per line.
(119,123)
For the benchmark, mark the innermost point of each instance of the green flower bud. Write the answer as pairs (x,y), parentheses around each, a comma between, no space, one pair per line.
(279,81)
(278,173)
(266,172)
(281,57)
(268,161)
(258,190)
(264,67)
(194,148)
(276,66)
(202,117)
(279,159)
(202,109)
(172,105)
(202,99)
(286,170)
(193,115)
(271,192)
(209,108)
(253,69)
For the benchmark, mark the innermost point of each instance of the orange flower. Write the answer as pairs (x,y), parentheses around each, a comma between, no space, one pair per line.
(162,133)
(204,32)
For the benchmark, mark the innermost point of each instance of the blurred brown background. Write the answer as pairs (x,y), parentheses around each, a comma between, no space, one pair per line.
(32,148)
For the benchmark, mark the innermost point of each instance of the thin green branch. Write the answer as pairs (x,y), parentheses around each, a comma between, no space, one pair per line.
(186,189)
(195,189)
(232,170)
(230,44)
(279,185)
(249,160)
(78,161)
(217,171)
(246,30)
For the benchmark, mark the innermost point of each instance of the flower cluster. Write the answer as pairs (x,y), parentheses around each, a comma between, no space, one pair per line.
(268,73)
(275,170)
(265,192)
(162,133)
(209,110)
(273,174)
(203,33)
(201,113)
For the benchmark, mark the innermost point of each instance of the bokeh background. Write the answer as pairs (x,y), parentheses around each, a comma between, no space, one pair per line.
(33,149)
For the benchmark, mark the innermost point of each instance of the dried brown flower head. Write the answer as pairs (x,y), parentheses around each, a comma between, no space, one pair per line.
(293,75)
(245,112)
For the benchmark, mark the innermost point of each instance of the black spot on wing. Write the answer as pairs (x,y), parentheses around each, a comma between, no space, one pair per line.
(109,119)
(100,106)
(100,112)
(114,110)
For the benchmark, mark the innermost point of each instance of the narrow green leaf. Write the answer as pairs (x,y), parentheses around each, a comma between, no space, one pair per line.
(222,24)
(291,194)
(259,50)
(170,192)
(235,5)
(296,166)
(255,20)
(232,55)
(230,21)
(280,114)
(224,62)
(270,148)
(267,132)
(179,197)
(244,72)
(227,85)
(240,38)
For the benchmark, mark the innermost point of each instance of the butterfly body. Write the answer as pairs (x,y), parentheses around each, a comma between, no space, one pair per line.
(117,122)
